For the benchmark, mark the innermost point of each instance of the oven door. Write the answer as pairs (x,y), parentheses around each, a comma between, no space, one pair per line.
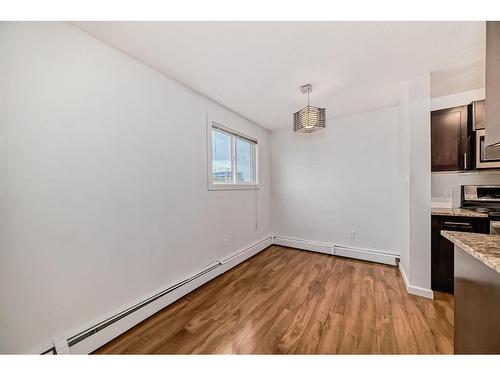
(486,157)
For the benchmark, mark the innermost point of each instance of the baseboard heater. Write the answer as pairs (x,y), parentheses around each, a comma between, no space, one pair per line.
(320,247)
(220,266)
(343,251)
(364,254)
(98,327)
(75,339)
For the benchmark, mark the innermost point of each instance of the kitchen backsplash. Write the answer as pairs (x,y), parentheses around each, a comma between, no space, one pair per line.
(445,186)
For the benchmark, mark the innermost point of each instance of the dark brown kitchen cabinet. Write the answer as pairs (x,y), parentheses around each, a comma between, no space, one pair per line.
(442,250)
(478,114)
(450,139)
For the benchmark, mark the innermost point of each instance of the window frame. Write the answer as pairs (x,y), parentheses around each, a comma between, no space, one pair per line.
(234,185)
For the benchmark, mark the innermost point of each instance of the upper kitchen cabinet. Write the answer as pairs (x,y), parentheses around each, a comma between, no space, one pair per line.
(449,139)
(478,114)
(492,128)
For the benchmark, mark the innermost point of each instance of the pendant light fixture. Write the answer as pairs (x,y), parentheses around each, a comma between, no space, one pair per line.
(309,119)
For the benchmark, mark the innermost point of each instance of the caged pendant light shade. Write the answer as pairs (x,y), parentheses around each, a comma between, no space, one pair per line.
(309,118)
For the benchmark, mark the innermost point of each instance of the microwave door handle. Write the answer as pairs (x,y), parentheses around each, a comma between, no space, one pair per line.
(479,163)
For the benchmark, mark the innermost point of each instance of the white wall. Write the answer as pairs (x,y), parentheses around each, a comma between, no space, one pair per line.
(419,273)
(403,159)
(339,179)
(370,173)
(103,183)
(415,182)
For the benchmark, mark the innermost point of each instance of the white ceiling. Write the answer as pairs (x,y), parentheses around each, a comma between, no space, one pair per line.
(256,68)
(467,77)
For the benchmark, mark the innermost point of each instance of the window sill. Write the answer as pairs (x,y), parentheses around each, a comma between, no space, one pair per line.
(233,187)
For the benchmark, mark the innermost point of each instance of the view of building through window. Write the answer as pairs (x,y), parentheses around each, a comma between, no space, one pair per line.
(224,144)
(221,157)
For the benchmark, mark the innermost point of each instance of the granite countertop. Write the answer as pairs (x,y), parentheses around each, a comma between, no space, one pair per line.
(457,212)
(484,247)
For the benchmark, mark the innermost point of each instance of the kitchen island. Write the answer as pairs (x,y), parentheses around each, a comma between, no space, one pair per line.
(477,292)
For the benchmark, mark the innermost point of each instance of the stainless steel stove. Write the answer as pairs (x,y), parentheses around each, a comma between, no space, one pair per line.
(483,198)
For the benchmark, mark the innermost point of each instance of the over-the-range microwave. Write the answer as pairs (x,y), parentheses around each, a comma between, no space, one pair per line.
(486,157)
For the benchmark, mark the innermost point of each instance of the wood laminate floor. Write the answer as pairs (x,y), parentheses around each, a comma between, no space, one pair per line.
(290,301)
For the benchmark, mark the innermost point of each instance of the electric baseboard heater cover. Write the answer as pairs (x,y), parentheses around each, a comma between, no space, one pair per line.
(75,339)
(100,326)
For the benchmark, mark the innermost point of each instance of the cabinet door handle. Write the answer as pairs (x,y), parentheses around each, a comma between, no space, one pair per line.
(457,224)
(465,160)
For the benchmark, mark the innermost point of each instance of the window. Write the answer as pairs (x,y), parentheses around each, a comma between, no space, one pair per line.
(222,164)
(232,158)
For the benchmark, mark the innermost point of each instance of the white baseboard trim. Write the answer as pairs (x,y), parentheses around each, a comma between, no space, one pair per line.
(94,340)
(416,290)
(320,247)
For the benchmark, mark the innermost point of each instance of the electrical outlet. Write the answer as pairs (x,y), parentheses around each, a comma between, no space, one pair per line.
(352,234)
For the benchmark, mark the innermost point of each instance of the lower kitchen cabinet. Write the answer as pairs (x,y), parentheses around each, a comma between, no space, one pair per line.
(442,252)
